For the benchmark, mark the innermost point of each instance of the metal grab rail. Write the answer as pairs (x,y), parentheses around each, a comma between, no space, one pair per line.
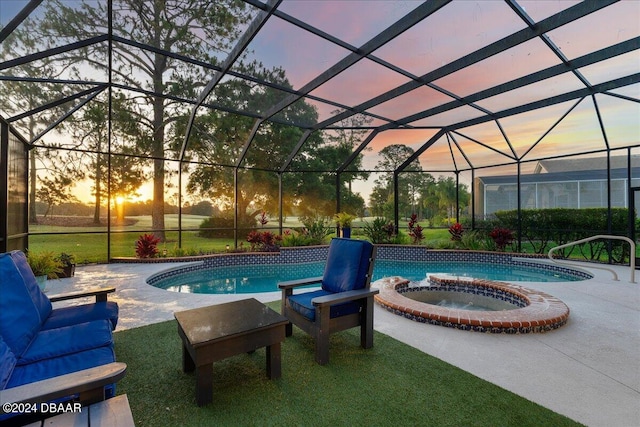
(632,254)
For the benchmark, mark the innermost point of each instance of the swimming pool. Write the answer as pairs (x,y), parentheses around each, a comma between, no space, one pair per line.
(239,279)
(510,272)
(257,278)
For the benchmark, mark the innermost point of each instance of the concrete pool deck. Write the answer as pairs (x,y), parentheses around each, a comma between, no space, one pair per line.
(588,370)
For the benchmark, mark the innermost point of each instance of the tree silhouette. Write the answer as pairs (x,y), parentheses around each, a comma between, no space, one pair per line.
(22,96)
(202,29)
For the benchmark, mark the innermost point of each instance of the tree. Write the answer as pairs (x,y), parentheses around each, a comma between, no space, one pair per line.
(410,182)
(120,175)
(201,29)
(218,139)
(25,96)
(204,208)
(349,134)
(55,192)
(380,202)
(411,185)
(448,194)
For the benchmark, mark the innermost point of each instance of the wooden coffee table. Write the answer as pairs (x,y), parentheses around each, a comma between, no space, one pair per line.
(219,331)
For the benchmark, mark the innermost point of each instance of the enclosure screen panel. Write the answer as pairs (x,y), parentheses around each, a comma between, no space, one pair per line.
(17,163)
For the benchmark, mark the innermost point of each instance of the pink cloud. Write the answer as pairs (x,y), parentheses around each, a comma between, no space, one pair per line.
(360,82)
(420,99)
(452,32)
(611,25)
(354,21)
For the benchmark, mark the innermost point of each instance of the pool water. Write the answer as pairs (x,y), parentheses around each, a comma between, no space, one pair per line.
(461,300)
(264,278)
(240,279)
(417,270)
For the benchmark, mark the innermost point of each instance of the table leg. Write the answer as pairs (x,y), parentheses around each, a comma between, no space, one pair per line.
(204,384)
(188,364)
(274,370)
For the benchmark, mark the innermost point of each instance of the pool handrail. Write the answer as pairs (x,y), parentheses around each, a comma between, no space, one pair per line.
(632,257)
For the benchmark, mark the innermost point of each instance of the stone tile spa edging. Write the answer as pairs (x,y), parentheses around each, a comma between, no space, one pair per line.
(533,311)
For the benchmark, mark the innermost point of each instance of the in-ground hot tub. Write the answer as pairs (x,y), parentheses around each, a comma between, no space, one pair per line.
(506,308)
(463,300)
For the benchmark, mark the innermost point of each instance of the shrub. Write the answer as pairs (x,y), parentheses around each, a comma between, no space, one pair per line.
(147,246)
(44,264)
(179,252)
(380,230)
(222,226)
(440,244)
(400,238)
(473,241)
(456,231)
(502,237)
(545,228)
(316,227)
(415,230)
(296,238)
(265,241)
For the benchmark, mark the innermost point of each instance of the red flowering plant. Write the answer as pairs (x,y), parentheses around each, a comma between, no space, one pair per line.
(501,237)
(264,241)
(147,246)
(270,241)
(390,230)
(263,220)
(415,230)
(456,231)
(254,238)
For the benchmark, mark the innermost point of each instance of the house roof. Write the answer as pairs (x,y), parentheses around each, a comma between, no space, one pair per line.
(584,164)
(565,176)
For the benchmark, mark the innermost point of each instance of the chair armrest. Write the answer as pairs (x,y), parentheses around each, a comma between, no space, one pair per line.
(339,297)
(100,294)
(289,284)
(65,385)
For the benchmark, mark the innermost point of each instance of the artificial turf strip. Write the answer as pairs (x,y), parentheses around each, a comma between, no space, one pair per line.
(390,384)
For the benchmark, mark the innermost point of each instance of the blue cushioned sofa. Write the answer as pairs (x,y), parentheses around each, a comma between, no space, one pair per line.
(38,342)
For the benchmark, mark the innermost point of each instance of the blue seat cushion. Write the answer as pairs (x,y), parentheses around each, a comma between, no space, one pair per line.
(50,368)
(56,366)
(7,363)
(67,316)
(19,317)
(67,340)
(40,300)
(301,303)
(347,265)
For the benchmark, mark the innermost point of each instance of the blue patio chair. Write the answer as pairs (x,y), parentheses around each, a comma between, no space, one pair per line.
(344,301)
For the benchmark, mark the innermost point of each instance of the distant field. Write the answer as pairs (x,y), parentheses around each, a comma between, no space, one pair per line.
(91,246)
(89,242)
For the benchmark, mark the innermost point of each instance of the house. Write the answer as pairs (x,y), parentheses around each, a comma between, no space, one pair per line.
(559,183)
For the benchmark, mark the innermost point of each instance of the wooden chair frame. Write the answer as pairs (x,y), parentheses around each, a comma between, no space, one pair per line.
(88,384)
(324,325)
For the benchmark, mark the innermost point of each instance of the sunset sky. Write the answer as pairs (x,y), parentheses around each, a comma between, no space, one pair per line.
(457,29)
(454,31)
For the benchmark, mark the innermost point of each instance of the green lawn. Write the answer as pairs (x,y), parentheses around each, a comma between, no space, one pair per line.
(92,247)
(89,244)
